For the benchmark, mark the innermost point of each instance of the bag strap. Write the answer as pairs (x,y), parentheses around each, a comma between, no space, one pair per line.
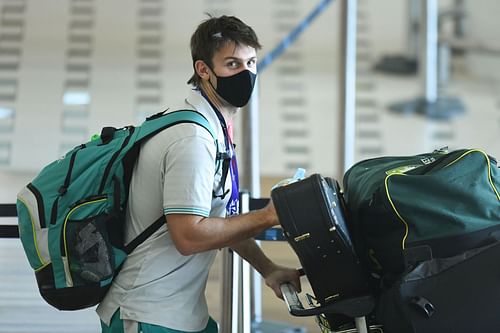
(160,121)
(144,235)
(148,129)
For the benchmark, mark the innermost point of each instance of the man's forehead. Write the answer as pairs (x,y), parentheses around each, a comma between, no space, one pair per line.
(236,51)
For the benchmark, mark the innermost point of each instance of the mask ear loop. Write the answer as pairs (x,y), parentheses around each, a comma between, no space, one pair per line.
(211,91)
(210,77)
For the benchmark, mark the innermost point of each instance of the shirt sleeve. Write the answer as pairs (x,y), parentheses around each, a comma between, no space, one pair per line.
(188,174)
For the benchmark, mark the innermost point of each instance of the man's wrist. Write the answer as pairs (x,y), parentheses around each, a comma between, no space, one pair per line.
(268,217)
(268,268)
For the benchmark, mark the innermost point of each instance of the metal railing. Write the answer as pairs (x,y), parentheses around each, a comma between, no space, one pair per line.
(8,230)
(234,267)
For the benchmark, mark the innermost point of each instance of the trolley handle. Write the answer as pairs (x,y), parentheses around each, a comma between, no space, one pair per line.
(291,298)
(294,304)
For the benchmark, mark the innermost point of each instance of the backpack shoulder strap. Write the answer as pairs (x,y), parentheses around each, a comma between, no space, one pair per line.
(153,125)
(160,121)
(144,235)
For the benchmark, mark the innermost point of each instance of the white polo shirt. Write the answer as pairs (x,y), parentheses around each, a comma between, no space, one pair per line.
(176,172)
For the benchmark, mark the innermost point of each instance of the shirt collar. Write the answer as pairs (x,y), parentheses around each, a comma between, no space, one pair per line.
(197,102)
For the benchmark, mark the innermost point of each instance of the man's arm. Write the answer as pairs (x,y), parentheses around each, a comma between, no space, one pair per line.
(192,233)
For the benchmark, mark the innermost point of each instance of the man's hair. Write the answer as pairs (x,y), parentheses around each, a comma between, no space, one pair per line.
(214,33)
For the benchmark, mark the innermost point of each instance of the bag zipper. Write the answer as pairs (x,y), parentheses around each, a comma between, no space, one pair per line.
(64,187)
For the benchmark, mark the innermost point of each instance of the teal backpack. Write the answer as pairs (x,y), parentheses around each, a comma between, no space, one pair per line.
(71,216)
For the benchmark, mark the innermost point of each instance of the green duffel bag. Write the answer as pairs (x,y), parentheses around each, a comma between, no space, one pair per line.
(408,209)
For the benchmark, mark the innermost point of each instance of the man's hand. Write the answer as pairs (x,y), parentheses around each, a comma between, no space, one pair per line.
(280,275)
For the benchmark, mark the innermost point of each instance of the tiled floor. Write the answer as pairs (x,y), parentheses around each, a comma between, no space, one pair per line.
(22,310)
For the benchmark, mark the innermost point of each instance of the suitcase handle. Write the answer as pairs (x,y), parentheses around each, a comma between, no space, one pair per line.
(352,307)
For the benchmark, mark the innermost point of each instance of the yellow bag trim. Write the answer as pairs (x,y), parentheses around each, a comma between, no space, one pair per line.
(394,207)
(490,180)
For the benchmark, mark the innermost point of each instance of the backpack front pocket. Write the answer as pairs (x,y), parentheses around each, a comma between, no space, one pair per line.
(89,255)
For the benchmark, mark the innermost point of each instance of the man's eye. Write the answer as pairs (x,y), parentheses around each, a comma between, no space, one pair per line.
(251,63)
(232,64)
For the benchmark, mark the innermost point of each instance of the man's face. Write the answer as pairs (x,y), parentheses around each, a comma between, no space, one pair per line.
(232,59)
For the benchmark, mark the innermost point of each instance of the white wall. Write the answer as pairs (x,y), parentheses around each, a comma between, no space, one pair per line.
(11,183)
(482,26)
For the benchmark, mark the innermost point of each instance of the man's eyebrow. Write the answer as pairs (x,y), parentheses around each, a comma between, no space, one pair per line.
(239,59)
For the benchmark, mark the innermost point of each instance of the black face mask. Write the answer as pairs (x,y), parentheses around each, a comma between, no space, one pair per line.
(236,89)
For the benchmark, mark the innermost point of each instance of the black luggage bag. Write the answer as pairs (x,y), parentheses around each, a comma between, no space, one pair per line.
(459,294)
(311,213)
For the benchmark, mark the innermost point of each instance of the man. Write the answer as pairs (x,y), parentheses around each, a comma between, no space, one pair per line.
(180,174)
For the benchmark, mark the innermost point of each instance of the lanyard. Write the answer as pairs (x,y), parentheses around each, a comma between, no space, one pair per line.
(229,166)
(233,205)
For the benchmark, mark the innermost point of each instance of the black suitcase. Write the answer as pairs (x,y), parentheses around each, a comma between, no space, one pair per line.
(311,213)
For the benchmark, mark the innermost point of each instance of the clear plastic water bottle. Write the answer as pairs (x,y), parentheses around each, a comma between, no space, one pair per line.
(299,174)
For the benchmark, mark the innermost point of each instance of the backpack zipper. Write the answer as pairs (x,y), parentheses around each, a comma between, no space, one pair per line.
(64,187)
(67,180)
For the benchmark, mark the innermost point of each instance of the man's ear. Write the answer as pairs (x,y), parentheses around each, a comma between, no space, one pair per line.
(202,69)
